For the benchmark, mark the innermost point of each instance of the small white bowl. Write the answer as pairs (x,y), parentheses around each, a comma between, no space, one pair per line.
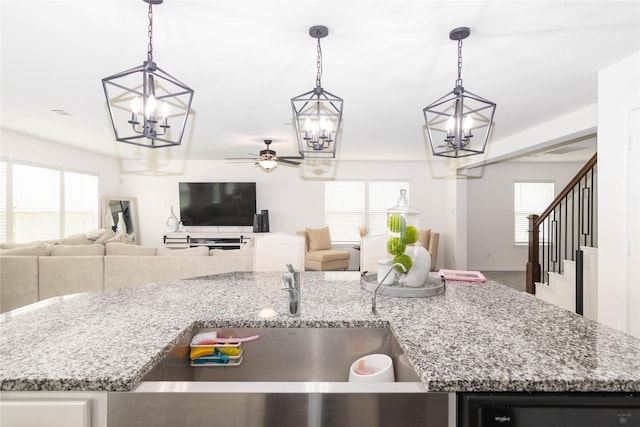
(380,364)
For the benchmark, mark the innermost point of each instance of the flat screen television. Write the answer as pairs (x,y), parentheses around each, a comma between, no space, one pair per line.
(217,203)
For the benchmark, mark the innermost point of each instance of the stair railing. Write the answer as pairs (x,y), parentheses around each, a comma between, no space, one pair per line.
(559,232)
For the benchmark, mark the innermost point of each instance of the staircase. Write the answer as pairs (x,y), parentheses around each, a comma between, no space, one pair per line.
(562,266)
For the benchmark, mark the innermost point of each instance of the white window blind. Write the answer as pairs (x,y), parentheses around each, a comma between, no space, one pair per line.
(529,198)
(344,203)
(351,204)
(45,203)
(382,196)
(36,203)
(80,202)
(3,201)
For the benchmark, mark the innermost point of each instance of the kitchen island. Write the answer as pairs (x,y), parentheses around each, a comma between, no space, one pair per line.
(93,349)
(475,337)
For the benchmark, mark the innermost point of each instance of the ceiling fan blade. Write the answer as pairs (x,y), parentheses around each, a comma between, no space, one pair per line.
(288,162)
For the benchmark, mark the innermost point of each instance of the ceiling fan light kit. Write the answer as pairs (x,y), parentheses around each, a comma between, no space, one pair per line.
(148,107)
(459,123)
(268,159)
(317,114)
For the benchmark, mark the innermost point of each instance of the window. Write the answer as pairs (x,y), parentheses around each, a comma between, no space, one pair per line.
(350,204)
(529,198)
(42,203)
(344,203)
(80,202)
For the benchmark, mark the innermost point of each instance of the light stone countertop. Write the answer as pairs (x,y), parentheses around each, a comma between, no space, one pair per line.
(475,337)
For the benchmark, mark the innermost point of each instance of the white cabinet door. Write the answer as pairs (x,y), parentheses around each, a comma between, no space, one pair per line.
(26,413)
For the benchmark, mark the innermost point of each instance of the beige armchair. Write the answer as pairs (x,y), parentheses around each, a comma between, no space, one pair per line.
(319,254)
(373,248)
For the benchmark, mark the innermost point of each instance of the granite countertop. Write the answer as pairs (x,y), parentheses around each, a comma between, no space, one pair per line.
(475,337)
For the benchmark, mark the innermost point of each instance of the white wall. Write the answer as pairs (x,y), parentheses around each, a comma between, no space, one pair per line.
(618,97)
(18,147)
(490,221)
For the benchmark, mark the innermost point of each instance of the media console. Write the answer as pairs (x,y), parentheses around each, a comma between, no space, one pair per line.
(213,240)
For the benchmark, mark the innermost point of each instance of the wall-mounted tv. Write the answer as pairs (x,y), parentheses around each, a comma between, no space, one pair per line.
(217,203)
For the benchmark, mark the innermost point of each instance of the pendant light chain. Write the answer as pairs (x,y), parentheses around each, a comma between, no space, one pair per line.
(319,65)
(459,81)
(150,33)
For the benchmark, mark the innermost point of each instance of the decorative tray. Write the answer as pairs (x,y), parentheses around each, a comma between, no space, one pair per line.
(432,287)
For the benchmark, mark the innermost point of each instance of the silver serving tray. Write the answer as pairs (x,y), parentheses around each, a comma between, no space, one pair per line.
(432,287)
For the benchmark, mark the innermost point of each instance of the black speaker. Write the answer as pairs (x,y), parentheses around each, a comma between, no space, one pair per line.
(257,223)
(265,221)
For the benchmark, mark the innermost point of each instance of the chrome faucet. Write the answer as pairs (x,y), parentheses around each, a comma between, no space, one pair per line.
(374,310)
(291,284)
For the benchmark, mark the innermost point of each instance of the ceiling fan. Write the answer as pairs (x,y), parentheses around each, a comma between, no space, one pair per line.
(268,159)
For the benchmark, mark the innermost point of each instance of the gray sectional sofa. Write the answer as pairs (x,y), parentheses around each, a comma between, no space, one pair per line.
(41,270)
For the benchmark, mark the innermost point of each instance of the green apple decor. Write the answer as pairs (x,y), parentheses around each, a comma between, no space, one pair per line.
(403,232)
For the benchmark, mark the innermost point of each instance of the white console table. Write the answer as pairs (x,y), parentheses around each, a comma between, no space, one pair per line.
(213,240)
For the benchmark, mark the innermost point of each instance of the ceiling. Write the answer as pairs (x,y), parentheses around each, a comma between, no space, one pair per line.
(245,59)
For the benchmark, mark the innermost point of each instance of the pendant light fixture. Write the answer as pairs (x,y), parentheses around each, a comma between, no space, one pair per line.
(317,113)
(459,123)
(148,107)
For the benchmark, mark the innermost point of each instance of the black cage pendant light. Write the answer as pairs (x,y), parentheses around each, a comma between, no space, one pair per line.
(317,113)
(148,107)
(459,123)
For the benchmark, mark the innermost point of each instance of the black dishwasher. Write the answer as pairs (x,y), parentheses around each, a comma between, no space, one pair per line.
(548,409)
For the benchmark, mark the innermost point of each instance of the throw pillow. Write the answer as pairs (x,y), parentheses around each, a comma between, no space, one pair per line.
(43,249)
(198,251)
(117,248)
(104,238)
(121,238)
(77,250)
(319,238)
(20,245)
(95,234)
(75,239)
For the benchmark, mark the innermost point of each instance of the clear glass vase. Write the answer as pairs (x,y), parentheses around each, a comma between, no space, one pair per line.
(403,234)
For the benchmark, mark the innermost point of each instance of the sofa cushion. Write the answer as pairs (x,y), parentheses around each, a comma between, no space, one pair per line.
(117,248)
(327,255)
(77,250)
(104,237)
(66,275)
(19,286)
(197,251)
(319,238)
(42,249)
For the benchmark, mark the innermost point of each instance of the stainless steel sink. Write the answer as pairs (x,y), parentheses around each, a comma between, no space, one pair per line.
(288,377)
